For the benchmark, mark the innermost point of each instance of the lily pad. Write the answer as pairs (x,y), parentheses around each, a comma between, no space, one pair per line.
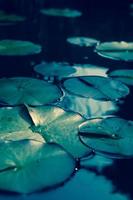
(123,75)
(54,69)
(27,166)
(116,50)
(59,126)
(6,18)
(18,48)
(96,87)
(57,12)
(23,90)
(82,41)
(111,136)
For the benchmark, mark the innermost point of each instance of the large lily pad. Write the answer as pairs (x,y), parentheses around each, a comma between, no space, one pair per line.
(116,50)
(57,12)
(59,126)
(96,87)
(82,41)
(28,165)
(18,48)
(23,90)
(111,136)
(123,75)
(9,19)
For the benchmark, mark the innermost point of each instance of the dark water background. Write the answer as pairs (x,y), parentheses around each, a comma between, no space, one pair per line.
(103,20)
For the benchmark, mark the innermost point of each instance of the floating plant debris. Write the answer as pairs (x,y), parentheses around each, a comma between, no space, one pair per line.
(96,87)
(27,166)
(59,126)
(82,41)
(111,136)
(116,50)
(6,18)
(23,90)
(123,75)
(61,12)
(87,107)
(18,48)
(54,69)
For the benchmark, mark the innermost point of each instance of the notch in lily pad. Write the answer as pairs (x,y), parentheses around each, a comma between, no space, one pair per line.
(116,50)
(31,91)
(18,48)
(27,166)
(111,136)
(96,87)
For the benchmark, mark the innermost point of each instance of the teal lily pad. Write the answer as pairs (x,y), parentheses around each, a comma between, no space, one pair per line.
(110,136)
(18,48)
(31,91)
(59,126)
(82,41)
(57,12)
(123,75)
(27,166)
(96,87)
(116,50)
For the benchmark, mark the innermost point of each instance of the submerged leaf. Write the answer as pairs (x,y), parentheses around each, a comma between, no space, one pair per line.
(59,126)
(123,75)
(82,41)
(61,12)
(27,166)
(23,90)
(111,136)
(116,50)
(100,88)
(18,48)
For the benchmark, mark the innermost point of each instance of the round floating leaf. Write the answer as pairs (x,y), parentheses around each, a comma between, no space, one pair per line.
(9,19)
(123,75)
(54,69)
(96,87)
(87,107)
(61,12)
(27,166)
(116,50)
(111,136)
(22,90)
(59,126)
(13,119)
(18,48)
(82,41)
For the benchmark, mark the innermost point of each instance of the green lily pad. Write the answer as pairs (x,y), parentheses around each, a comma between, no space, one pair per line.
(116,50)
(57,12)
(82,41)
(123,75)
(23,90)
(27,166)
(6,18)
(18,48)
(96,87)
(59,126)
(110,136)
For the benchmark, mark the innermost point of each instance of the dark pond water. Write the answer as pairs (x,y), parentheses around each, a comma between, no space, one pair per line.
(98,176)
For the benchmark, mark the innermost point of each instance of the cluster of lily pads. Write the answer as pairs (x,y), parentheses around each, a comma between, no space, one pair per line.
(47,125)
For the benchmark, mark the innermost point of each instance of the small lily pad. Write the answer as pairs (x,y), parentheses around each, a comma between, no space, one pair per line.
(123,75)
(59,126)
(27,166)
(111,136)
(18,48)
(57,12)
(82,41)
(96,87)
(116,50)
(23,90)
